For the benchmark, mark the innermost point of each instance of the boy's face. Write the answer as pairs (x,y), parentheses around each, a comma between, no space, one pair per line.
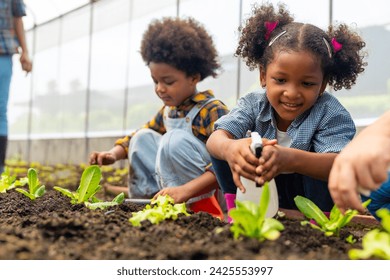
(173,86)
(293,82)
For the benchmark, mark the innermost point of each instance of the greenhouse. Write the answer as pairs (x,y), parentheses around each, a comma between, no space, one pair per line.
(141,122)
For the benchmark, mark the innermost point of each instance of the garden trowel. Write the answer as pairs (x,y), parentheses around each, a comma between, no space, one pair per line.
(253,190)
(138,200)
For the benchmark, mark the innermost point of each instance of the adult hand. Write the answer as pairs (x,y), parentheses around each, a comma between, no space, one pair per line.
(362,164)
(25,62)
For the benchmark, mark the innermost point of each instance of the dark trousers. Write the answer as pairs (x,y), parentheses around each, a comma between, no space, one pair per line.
(3,150)
(288,185)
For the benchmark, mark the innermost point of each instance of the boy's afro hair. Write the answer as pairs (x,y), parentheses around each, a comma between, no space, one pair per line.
(181,43)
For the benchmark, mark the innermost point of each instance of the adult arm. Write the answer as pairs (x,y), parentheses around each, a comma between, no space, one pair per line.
(363,164)
(24,56)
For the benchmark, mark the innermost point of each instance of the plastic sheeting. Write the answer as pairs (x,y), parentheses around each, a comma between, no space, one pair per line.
(40,11)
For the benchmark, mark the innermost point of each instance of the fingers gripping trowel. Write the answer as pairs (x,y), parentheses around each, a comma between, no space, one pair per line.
(253,190)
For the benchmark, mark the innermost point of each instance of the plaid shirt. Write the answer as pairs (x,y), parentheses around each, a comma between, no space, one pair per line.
(9,9)
(202,126)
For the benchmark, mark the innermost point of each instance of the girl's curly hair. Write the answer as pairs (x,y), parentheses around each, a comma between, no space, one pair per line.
(340,68)
(181,43)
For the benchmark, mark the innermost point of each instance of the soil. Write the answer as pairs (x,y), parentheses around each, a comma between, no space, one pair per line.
(50,228)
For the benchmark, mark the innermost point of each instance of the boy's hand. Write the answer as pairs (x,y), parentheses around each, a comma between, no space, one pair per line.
(177,193)
(102,158)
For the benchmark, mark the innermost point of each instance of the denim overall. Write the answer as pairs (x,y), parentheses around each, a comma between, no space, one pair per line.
(173,159)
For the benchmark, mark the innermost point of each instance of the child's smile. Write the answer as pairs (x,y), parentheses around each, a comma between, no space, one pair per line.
(291,106)
(294,80)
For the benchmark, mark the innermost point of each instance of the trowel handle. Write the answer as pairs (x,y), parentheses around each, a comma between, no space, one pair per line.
(256,147)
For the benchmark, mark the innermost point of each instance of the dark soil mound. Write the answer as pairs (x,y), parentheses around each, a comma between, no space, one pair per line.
(52,228)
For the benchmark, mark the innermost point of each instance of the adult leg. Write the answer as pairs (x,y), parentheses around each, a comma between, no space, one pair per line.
(3,151)
(5,81)
(142,159)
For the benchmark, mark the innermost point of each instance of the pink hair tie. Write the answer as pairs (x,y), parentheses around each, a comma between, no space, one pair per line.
(269,26)
(336,45)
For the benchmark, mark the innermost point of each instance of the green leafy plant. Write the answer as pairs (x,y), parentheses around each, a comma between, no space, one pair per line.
(376,243)
(330,226)
(105,204)
(35,189)
(250,219)
(159,209)
(7,182)
(350,239)
(89,186)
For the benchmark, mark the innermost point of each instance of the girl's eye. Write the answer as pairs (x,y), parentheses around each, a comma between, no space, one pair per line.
(308,84)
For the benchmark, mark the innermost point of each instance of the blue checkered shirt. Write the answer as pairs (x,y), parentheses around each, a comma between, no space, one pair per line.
(325,128)
(8,10)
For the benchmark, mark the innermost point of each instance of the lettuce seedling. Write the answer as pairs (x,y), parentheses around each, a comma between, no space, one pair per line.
(7,182)
(250,219)
(163,208)
(105,204)
(89,186)
(35,190)
(330,226)
(376,243)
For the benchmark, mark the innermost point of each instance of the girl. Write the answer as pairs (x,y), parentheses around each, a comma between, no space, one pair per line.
(168,154)
(296,62)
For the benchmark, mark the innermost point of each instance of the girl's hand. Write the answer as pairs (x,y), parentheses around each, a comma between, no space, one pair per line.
(102,158)
(177,193)
(241,160)
(272,162)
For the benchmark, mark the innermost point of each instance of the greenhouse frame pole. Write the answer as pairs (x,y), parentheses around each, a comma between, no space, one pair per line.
(238,59)
(88,92)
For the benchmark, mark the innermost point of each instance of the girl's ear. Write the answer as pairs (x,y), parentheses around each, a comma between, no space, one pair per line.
(323,86)
(262,77)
